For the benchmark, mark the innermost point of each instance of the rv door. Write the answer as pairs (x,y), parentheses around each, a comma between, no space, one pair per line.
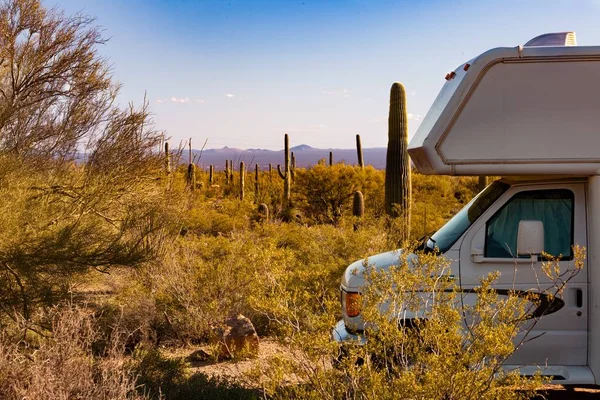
(551,216)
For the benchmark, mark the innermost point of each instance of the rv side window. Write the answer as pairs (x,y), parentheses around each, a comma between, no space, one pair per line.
(553,207)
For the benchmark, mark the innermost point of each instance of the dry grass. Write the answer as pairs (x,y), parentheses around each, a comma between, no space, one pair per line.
(64,366)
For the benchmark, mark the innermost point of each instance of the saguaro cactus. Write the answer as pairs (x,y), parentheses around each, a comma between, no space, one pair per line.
(256,181)
(358,204)
(227,171)
(242,179)
(293,166)
(358,208)
(191,176)
(191,172)
(263,212)
(359,152)
(287,175)
(482,183)
(231,172)
(211,172)
(330,158)
(397,166)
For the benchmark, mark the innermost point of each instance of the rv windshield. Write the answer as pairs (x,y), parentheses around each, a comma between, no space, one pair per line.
(448,234)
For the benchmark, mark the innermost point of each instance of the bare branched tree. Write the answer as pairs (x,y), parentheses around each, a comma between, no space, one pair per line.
(59,218)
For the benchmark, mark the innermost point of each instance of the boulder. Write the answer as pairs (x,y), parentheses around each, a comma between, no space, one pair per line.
(237,338)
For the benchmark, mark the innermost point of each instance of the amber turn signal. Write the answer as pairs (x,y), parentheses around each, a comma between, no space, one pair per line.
(353,302)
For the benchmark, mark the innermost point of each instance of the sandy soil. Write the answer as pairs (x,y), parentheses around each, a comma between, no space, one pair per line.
(201,362)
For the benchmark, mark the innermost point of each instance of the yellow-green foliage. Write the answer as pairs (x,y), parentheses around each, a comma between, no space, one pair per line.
(324,193)
(64,220)
(449,352)
(211,274)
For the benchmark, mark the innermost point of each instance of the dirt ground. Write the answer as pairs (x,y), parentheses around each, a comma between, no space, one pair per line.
(200,363)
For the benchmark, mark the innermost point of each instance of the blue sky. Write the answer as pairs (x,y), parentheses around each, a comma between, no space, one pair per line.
(243,73)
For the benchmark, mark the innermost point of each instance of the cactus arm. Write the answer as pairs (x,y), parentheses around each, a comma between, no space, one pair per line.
(281,174)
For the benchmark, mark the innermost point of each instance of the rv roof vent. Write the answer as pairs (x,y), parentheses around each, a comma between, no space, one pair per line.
(553,39)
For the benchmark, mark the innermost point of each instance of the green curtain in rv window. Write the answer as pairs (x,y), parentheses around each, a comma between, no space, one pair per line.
(553,207)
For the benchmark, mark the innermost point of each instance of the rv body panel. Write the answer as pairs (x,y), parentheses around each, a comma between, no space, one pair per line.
(515,111)
(593,272)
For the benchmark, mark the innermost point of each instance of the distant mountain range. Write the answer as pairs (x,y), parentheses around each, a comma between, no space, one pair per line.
(305,156)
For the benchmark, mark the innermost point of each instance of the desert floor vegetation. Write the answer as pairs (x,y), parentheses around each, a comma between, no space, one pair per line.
(113,255)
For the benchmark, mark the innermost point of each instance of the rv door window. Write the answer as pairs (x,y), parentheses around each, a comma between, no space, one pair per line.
(553,207)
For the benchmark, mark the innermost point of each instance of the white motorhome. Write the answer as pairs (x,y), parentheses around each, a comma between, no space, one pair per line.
(530,114)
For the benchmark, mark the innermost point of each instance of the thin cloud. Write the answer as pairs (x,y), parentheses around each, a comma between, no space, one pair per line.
(230,95)
(336,92)
(177,100)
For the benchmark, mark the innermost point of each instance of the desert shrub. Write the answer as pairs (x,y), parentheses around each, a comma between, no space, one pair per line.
(217,217)
(433,202)
(63,365)
(55,229)
(205,279)
(159,376)
(134,310)
(448,350)
(156,374)
(61,218)
(324,193)
(200,386)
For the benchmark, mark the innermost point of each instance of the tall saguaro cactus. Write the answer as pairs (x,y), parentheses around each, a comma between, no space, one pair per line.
(397,166)
(331,158)
(242,179)
(191,172)
(359,152)
(191,176)
(293,166)
(287,175)
(211,172)
(256,181)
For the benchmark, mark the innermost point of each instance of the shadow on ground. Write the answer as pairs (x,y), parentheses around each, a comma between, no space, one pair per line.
(573,393)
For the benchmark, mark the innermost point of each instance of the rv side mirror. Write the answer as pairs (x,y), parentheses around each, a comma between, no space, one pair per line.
(530,238)
(478,245)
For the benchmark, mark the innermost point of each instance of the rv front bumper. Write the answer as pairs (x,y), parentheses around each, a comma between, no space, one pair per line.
(343,336)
